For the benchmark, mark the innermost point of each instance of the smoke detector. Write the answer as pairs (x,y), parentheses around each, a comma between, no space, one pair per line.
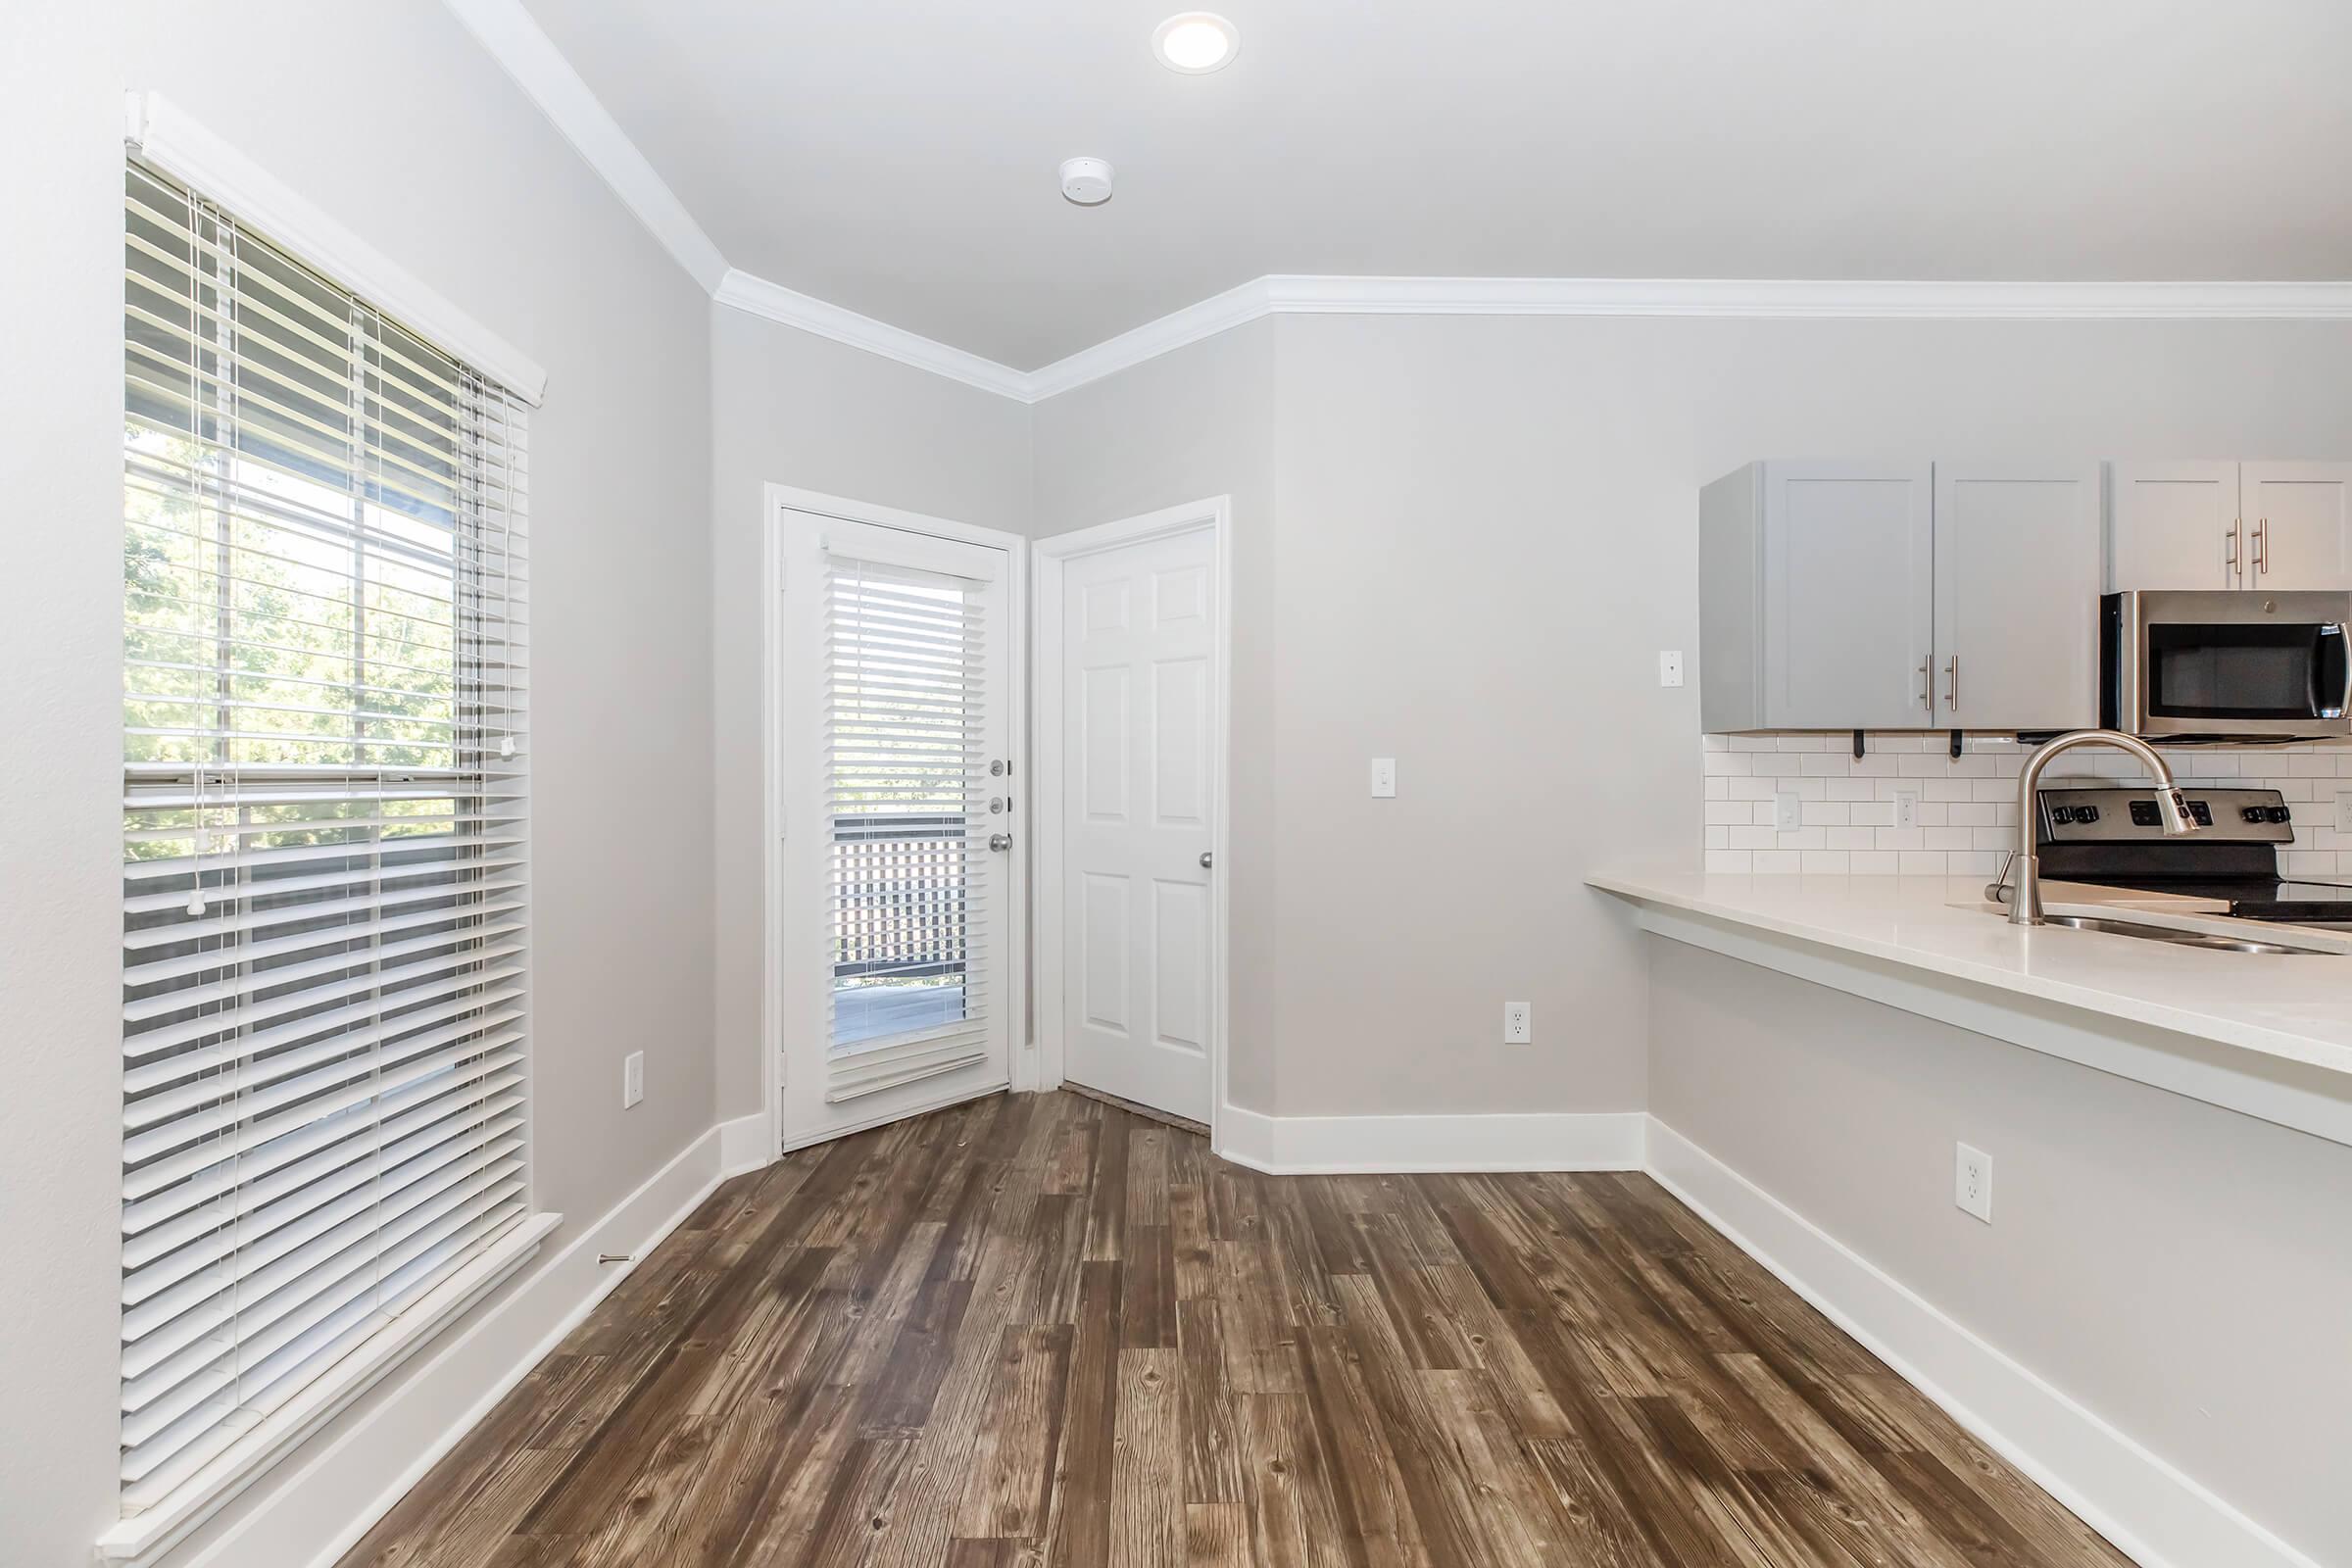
(1086,181)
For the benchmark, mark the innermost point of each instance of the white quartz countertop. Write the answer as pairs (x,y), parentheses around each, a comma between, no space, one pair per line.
(2298,1007)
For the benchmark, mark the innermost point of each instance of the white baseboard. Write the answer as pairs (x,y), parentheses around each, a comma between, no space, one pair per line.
(1340,1146)
(745,1144)
(317,1511)
(2152,1513)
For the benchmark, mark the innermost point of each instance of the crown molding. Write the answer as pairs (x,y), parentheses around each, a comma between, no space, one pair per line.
(1766,298)
(528,55)
(1219,312)
(777,303)
(1806,297)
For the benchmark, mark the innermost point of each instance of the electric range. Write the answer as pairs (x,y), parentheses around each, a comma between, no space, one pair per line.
(2111,837)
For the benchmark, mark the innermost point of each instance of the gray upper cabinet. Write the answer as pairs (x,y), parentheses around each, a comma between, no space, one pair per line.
(1817,591)
(2284,526)
(1875,596)
(2017,596)
(2298,524)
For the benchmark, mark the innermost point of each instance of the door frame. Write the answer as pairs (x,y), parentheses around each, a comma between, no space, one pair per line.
(1047,667)
(776,501)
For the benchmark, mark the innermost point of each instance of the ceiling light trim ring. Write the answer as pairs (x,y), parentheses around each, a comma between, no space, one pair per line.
(1183,42)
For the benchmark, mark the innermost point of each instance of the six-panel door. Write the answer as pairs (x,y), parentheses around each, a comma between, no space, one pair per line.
(1849,602)
(1138,758)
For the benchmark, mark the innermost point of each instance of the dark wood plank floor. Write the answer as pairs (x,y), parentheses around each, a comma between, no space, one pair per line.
(1038,1330)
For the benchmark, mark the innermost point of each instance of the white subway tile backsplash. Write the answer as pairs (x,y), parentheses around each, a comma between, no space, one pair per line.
(1967,805)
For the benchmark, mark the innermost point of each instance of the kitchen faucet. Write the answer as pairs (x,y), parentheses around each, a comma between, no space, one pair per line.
(2171,812)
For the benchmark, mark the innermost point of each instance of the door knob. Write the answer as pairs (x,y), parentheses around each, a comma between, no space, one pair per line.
(999,842)
(1206,859)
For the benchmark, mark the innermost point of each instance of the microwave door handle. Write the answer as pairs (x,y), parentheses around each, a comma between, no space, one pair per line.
(2343,698)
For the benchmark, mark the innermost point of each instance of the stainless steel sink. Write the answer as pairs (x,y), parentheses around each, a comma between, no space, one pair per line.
(2178,938)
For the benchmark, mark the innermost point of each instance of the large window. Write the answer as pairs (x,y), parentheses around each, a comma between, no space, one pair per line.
(324,904)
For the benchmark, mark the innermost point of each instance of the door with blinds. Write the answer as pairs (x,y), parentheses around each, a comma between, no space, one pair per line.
(896,881)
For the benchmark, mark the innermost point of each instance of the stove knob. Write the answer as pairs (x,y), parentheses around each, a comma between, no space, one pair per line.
(2086,814)
(2254,814)
(2062,815)
(2279,813)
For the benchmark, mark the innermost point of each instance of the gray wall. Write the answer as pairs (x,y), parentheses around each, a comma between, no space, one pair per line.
(1196,423)
(788,408)
(2179,1269)
(391,117)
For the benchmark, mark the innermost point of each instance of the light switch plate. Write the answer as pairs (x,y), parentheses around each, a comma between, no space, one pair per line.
(1788,811)
(1670,667)
(632,1079)
(1384,777)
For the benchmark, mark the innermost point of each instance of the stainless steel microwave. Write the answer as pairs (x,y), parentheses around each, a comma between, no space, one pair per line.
(2228,665)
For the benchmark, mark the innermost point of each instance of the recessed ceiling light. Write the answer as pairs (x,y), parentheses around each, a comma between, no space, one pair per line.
(1195,42)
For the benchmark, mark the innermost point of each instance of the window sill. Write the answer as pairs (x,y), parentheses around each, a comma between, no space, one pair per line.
(146,1536)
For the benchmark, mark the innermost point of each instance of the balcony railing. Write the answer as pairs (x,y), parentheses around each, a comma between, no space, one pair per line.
(901,911)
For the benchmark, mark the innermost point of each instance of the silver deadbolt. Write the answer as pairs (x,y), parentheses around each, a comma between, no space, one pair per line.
(1205,859)
(996,804)
(999,842)
(995,769)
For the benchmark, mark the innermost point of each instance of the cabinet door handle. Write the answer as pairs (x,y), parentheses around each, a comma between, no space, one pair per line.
(2262,546)
(1951,675)
(2230,557)
(1926,684)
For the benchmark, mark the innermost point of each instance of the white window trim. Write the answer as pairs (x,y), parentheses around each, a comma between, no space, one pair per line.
(145,1537)
(163,135)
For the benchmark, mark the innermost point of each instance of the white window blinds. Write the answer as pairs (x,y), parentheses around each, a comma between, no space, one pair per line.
(907,713)
(323,906)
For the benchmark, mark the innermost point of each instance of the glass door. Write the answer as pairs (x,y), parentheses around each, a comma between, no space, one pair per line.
(897,736)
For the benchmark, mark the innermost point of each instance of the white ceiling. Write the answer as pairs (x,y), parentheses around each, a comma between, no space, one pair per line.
(898,159)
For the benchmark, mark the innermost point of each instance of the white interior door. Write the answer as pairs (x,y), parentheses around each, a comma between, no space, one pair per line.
(893,898)
(1138,790)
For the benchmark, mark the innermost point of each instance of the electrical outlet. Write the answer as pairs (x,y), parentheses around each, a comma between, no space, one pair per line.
(632,1079)
(1972,1181)
(1906,808)
(1670,667)
(1788,811)
(2343,811)
(1518,1023)
(1384,777)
